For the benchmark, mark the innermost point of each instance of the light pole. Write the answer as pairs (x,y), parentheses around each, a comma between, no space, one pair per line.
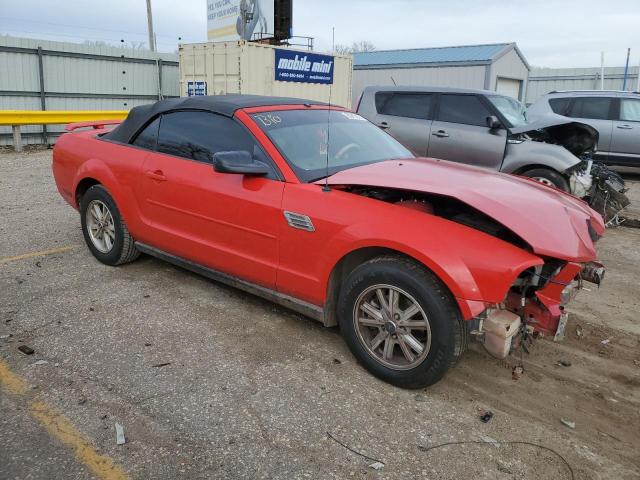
(152,38)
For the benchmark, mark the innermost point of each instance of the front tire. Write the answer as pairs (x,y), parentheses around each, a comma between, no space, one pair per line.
(549,177)
(400,322)
(104,229)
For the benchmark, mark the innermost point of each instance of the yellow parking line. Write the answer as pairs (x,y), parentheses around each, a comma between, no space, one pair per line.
(41,253)
(61,429)
(11,381)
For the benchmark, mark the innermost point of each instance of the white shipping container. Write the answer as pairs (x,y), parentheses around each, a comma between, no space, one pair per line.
(249,68)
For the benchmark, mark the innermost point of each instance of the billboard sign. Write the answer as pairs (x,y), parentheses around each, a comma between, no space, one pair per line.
(224,19)
(303,67)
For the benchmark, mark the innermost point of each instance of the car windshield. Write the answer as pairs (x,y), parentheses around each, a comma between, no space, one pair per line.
(511,109)
(320,142)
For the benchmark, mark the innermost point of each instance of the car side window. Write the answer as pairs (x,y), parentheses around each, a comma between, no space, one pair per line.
(148,137)
(560,105)
(199,135)
(465,109)
(630,110)
(411,105)
(595,108)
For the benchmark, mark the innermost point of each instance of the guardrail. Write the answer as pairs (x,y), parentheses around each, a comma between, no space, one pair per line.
(16,118)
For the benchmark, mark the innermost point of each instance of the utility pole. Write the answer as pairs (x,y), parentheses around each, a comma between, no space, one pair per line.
(152,38)
(626,70)
(602,70)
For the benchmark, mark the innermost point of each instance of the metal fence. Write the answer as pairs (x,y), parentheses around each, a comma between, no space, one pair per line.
(545,80)
(47,75)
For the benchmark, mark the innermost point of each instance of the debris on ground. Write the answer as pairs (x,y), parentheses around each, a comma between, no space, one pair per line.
(504,467)
(579,332)
(337,361)
(159,365)
(147,344)
(27,350)
(120,440)
(40,362)
(355,451)
(492,441)
(564,363)
(606,341)
(82,400)
(377,465)
(567,423)
(517,372)
(486,416)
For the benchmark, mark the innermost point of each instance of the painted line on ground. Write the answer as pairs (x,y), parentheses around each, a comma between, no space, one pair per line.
(61,429)
(11,381)
(40,253)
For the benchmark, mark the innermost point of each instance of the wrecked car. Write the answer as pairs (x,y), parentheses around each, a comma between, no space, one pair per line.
(490,130)
(316,209)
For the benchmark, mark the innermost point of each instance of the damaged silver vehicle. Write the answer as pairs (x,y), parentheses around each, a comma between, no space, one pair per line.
(490,130)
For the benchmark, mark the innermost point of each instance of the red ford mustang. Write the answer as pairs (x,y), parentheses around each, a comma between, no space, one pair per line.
(317,209)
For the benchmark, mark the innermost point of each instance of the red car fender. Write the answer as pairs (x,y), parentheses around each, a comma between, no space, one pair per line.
(473,277)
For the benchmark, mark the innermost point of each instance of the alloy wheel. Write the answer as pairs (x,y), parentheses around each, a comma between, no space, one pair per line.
(392,326)
(100,226)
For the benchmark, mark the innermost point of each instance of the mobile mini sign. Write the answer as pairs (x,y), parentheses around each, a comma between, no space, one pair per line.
(292,66)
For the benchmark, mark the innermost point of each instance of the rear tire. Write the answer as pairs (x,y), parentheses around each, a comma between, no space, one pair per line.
(408,351)
(548,177)
(104,230)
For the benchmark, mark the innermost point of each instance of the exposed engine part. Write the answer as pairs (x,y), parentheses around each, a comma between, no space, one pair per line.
(593,272)
(581,181)
(578,138)
(499,328)
(605,194)
(414,204)
(441,206)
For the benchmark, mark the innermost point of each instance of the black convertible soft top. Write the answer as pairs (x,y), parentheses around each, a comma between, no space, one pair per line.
(222,104)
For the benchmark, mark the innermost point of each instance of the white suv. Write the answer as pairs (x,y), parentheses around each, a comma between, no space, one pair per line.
(615,114)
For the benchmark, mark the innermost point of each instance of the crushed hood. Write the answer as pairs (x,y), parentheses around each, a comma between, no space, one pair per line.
(577,137)
(552,222)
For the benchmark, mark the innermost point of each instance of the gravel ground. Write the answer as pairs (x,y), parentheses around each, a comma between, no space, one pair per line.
(250,390)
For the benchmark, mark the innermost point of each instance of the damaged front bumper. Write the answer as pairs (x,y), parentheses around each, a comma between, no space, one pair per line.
(501,328)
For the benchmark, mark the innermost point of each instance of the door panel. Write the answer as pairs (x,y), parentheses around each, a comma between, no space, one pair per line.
(410,132)
(625,137)
(459,132)
(597,112)
(468,144)
(224,221)
(406,116)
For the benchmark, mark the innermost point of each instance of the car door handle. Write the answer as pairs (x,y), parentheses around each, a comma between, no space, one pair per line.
(383,125)
(440,133)
(625,127)
(157,175)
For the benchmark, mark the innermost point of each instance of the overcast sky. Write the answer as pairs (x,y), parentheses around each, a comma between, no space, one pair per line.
(550,33)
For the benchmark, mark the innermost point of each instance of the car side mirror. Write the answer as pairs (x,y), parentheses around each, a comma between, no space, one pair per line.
(239,162)
(493,123)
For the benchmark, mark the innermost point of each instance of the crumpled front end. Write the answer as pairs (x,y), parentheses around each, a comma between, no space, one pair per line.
(535,305)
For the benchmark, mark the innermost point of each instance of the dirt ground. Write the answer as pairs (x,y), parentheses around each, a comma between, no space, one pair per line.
(210,382)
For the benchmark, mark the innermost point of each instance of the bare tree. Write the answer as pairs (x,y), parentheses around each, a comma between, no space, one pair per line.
(355,47)
(362,46)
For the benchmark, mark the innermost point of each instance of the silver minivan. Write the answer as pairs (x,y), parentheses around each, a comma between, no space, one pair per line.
(615,114)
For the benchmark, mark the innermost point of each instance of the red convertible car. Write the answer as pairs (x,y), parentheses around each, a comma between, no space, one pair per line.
(315,208)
